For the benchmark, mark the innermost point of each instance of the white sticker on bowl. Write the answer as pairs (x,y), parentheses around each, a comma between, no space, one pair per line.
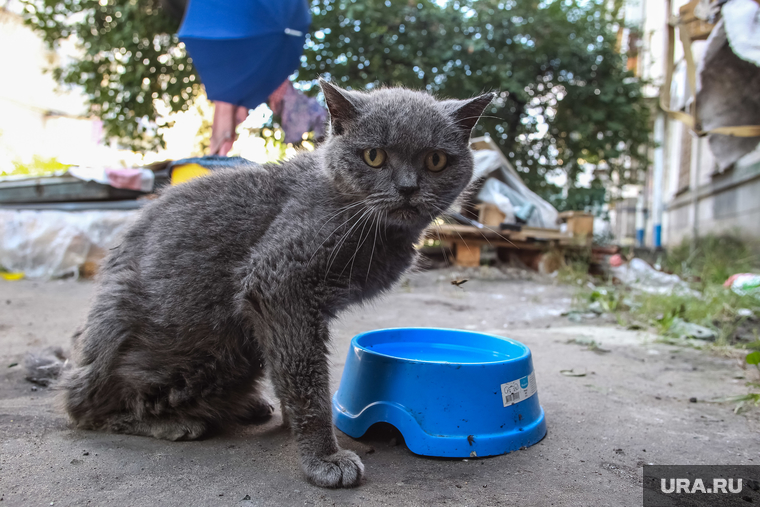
(518,390)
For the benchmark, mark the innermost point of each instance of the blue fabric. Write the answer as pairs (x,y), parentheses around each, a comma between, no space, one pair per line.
(241,48)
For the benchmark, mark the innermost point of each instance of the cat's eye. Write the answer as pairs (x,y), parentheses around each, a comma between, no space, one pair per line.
(436,161)
(374,157)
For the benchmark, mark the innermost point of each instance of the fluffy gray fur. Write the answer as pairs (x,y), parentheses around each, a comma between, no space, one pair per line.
(227,276)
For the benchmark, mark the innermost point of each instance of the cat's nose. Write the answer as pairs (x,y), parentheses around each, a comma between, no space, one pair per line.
(408,190)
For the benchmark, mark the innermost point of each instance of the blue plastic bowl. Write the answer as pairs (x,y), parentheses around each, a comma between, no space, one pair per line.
(450,393)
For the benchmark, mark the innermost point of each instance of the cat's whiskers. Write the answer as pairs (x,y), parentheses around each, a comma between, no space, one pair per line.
(336,251)
(446,212)
(372,252)
(360,244)
(385,229)
(440,241)
(333,232)
(341,210)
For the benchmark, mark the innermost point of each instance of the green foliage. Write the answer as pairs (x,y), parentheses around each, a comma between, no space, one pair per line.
(733,318)
(745,400)
(574,269)
(716,258)
(716,308)
(606,299)
(131,61)
(580,198)
(37,167)
(564,99)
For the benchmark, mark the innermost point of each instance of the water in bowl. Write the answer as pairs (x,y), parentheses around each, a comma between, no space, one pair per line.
(440,352)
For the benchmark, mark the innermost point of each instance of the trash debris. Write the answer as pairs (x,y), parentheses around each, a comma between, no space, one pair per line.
(684,329)
(505,189)
(11,277)
(44,367)
(130,178)
(639,275)
(50,244)
(576,316)
(573,373)
(744,284)
(616,260)
(590,344)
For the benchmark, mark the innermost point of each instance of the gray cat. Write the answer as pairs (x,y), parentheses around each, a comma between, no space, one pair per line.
(243,270)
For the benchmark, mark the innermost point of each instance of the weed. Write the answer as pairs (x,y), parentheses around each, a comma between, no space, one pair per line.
(711,317)
(744,400)
(714,259)
(573,272)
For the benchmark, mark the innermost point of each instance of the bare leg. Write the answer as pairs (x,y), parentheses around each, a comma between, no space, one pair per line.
(226,119)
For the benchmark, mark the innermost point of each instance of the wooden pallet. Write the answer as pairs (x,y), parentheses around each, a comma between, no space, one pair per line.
(467,240)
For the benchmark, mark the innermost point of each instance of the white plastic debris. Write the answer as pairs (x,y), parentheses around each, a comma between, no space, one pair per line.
(55,244)
(527,205)
(639,275)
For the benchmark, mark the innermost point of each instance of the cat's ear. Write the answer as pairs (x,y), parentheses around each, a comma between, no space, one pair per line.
(342,106)
(466,113)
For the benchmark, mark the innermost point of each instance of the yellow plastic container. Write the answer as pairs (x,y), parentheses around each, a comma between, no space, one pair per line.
(187,172)
(12,277)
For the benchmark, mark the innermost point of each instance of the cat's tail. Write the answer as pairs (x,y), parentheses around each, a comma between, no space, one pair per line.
(44,367)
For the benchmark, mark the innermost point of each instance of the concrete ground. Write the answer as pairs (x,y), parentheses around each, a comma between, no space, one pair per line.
(631,408)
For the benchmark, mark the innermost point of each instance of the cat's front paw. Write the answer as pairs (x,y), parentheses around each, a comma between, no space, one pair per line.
(343,469)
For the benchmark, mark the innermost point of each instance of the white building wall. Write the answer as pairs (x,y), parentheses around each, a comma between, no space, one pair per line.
(726,202)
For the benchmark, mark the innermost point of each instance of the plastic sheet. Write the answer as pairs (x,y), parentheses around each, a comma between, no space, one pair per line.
(744,284)
(130,178)
(526,204)
(729,78)
(639,275)
(55,244)
(495,192)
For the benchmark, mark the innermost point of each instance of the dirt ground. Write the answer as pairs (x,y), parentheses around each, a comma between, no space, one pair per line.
(631,408)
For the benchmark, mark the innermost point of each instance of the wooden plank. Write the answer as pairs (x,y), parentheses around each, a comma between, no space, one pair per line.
(457,231)
(61,188)
(698,29)
(466,255)
(545,234)
(490,215)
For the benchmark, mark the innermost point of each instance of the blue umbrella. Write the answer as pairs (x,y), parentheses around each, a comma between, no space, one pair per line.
(245,49)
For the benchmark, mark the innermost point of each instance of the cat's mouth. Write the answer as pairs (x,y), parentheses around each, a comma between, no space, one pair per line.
(406,212)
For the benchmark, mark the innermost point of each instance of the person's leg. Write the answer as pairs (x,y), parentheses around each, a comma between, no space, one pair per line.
(226,119)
